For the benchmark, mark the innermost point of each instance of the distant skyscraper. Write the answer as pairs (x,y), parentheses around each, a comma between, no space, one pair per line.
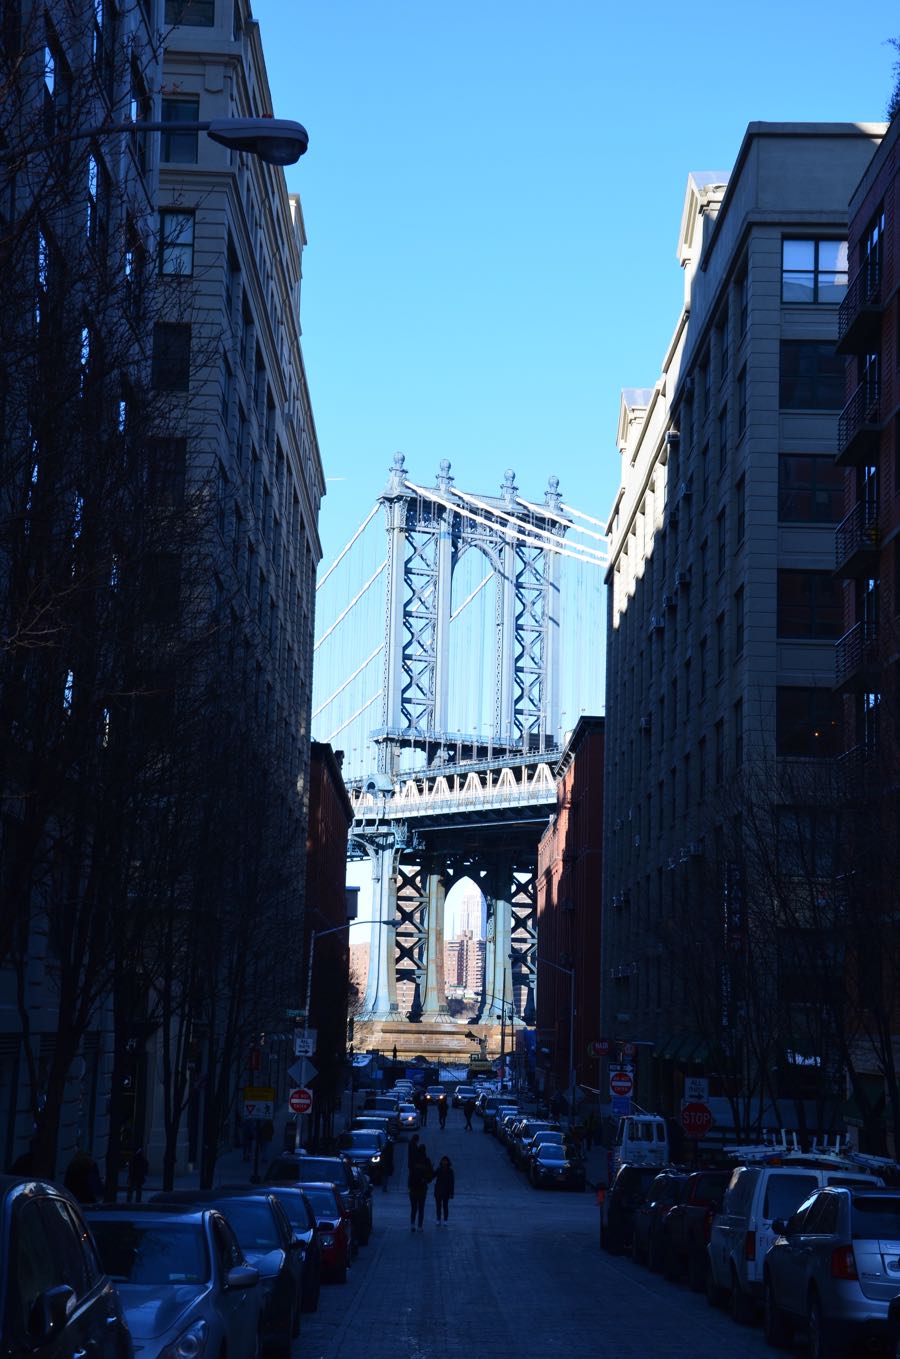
(471,915)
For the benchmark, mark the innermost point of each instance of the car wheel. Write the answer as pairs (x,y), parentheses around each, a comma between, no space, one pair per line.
(742,1309)
(776,1327)
(820,1344)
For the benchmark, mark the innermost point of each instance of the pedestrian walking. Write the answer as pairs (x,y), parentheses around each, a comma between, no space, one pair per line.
(468,1110)
(411,1151)
(266,1133)
(444,1186)
(138,1167)
(387,1164)
(83,1178)
(423,1111)
(442,1112)
(421,1174)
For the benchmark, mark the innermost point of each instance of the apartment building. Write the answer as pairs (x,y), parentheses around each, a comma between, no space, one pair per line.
(464,964)
(723,610)
(867,673)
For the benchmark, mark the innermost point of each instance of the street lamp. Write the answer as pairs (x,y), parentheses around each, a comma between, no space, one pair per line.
(277,141)
(333,929)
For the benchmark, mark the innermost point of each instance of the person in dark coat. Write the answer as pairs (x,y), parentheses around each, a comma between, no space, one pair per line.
(137,1174)
(442,1111)
(420,1176)
(443,1188)
(83,1178)
(411,1151)
(468,1110)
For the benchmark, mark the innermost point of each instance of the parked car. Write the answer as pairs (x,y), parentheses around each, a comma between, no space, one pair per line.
(492,1110)
(551,1167)
(540,1138)
(364,1147)
(410,1121)
(268,1242)
(293,1169)
(462,1093)
(627,1192)
(333,1227)
(742,1232)
(506,1125)
(663,1193)
(374,1123)
(389,1107)
(58,1299)
(834,1268)
(525,1131)
(181,1276)
(303,1223)
(686,1227)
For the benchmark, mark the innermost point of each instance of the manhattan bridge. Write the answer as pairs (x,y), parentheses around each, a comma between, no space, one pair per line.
(450,661)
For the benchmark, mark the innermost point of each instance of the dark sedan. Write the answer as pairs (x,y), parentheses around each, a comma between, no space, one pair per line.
(58,1300)
(551,1168)
(364,1147)
(647,1243)
(334,1230)
(303,1224)
(294,1169)
(264,1231)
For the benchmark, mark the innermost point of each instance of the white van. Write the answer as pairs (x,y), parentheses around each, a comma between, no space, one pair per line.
(742,1232)
(641,1140)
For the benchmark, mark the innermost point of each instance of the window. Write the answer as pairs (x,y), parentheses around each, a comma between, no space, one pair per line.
(103,43)
(739,621)
(165,475)
(719,734)
(171,365)
(810,489)
(191,13)
(706,376)
(739,733)
(723,347)
(176,242)
(805,840)
(740,509)
(98,198)
(813,271)
(742,400)
(703,650)
(140,110)
(743,291)
(704,471)
(812,376)
(809,605)
(723,439)
(704,568)
(720,646)
(807,722)
(701,769)
(180,147)
(720,541)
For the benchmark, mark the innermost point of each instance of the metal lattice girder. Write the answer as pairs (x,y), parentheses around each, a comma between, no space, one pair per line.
(412,901)
(523,933)
(530,646)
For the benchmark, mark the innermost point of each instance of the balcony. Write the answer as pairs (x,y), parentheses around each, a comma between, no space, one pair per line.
(859,317)
(857,772)
(856,660)
(858,426)
(856,542)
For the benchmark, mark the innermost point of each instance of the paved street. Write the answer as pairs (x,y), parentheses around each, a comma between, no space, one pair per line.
(517,1274)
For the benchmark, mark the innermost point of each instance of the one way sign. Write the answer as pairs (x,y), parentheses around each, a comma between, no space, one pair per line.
(303,1071)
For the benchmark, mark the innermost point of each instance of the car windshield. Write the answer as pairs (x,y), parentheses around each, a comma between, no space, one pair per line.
(310,1168)
(785,1193)
(321,1198)
(550,1151)
(253,1222)
(152,1254)
(360,1141)
(407,1108)
(876,1218)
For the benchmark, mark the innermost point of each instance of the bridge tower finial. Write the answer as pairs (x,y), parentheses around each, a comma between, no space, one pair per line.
(509,490)
(397,475)
(444,480)
(552,495)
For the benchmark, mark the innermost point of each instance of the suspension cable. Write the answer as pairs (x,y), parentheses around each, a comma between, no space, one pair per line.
(359,712)
(355,600)
(349,680)
(523,537)
(581,515)
(342,554)
(562,519)
(469,598)
(513,519)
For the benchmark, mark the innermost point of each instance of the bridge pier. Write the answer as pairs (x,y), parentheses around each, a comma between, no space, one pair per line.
(434,998)
(380,1000)
(497,971)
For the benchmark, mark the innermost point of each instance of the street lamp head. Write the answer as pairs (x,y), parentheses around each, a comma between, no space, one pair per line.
(279,141)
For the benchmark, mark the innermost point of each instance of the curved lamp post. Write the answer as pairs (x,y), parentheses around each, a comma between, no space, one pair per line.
(278,141)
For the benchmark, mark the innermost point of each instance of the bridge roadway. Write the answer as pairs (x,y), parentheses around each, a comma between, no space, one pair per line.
(517,1274)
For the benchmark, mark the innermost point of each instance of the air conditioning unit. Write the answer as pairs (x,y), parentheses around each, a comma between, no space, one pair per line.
(618,823)
(682,578)
(637,842)
(695,849)
(657,622)
(673,439)
(688,388)
(669,601)
(672,864)
(645,723)
(684,490)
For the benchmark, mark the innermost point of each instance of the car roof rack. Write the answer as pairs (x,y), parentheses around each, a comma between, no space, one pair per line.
(784,1149)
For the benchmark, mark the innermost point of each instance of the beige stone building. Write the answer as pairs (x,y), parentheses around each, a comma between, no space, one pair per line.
(722,607)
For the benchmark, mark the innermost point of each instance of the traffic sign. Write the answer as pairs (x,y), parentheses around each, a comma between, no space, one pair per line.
(696,1119)
(260,1092)
(258,1108)
(599,1048)
(621,1083)
(305,1042)
(621,1106)
(300,1101)
(696,1089)
(303,1072)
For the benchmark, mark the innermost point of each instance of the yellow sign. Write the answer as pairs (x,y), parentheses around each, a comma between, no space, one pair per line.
(259,1093)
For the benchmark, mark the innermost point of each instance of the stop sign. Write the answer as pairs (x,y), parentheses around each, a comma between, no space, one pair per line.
(621,1082)
(300,1101)
(696,1119)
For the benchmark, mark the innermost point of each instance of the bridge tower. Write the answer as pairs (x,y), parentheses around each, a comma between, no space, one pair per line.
(429,530)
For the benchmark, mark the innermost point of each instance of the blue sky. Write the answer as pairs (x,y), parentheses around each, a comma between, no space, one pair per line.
(492,196)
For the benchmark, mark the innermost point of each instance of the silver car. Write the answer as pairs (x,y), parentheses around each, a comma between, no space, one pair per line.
(834,1268)
(409,1118)
(182,1280)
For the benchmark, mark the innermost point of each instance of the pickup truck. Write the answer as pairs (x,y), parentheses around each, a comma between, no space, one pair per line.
(685,1228)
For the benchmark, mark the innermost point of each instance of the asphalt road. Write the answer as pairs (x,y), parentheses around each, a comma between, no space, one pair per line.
(517,1274)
